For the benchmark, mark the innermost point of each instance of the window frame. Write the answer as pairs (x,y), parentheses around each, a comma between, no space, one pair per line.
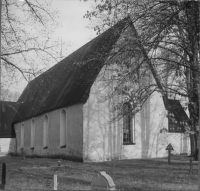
(32,144)
(22,136)
(45,131)
(63,128)
(127,138)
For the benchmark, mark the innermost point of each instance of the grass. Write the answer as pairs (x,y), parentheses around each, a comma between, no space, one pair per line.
(135,174)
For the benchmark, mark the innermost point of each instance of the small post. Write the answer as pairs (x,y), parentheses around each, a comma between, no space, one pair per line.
(3,181)
(169,156)
(169,148)
(191,167)
(55,182)
(3,177)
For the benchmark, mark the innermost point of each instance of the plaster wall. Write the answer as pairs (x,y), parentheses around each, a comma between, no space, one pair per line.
(74,135)
(104,140)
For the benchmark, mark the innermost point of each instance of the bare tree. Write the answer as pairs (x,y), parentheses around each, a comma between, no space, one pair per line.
(26,44)
(165,35)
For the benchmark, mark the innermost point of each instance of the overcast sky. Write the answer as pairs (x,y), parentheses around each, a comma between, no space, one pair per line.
(74,25)
(72,28)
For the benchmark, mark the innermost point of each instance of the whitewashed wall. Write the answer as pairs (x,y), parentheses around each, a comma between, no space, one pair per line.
(74,134)
(103,141)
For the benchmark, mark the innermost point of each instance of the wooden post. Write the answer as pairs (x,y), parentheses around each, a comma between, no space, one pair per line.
(55,182)
(199,118)
(3,177)
(191,167)
(199,126)
(169,148)
(169,155)
(0,60)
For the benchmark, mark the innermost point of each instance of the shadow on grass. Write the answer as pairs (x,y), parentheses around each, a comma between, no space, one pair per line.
(63,157)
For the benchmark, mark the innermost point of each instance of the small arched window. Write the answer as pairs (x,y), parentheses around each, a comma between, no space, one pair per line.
(32,133)
(63,126)
(45,131)
(127,124)
(22,136)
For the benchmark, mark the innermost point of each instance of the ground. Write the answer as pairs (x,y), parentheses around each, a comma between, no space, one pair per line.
(135,174)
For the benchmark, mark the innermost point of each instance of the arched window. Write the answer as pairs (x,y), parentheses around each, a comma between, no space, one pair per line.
(127,124)
(22,135)
(45,131)
(63,126)
(32,133)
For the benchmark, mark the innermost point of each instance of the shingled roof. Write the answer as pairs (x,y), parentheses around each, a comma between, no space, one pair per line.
(7,113)
(69,82)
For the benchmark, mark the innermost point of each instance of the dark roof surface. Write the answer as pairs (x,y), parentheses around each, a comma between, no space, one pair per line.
(69,82)
(177,117)
(176,108)
(7,113)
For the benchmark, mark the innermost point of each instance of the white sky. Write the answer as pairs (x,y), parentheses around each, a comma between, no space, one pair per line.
(74,25)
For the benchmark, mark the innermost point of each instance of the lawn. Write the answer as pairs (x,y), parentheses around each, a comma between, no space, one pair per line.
(134,174)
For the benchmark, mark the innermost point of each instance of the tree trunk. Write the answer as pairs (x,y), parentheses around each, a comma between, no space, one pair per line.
(104,138)
(101,125)
(120,134)
(192,13)
(145,128)
(110,131)
(199,126)
(114,137)
(148,126)
(117,135)
(157,143)
(183,144)
(142,126)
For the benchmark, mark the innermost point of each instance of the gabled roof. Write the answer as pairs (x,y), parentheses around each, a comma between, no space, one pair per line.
(7,113)
(69,82)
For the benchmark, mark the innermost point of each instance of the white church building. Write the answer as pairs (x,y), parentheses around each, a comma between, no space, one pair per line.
(64,112)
